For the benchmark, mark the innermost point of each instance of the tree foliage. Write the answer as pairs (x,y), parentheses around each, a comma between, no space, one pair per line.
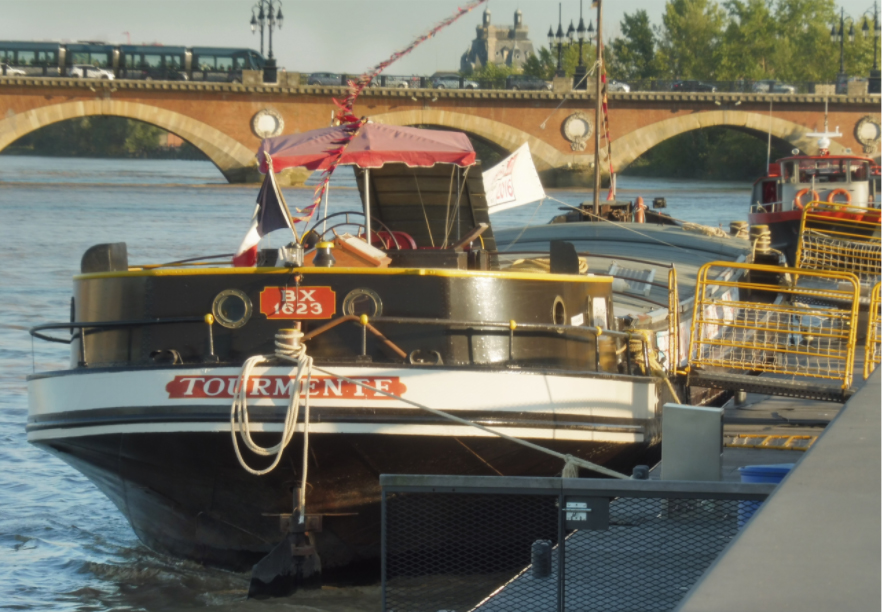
(690,41)
(632,56)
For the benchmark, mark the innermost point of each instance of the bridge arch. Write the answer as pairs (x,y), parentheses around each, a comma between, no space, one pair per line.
(629,147)
(546,158)
(232,158)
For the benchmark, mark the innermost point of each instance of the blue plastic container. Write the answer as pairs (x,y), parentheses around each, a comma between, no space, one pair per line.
(759,474)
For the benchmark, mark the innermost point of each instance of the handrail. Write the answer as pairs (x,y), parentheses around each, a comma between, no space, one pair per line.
(35,331)
(512,326)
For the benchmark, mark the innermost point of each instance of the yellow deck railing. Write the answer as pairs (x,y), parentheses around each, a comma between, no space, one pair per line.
(765,321)
(873,347)
(840,237)
(673,322)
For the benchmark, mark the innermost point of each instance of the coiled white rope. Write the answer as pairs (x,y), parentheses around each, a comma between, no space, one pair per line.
(288,348)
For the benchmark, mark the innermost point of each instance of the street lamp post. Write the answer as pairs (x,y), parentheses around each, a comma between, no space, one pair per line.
(874,85)
(269,14)
(579,77)
(839,36)
(258,19)
(557,39)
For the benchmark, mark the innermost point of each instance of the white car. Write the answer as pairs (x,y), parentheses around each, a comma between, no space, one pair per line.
(85,71)
(618,86)
(7,70)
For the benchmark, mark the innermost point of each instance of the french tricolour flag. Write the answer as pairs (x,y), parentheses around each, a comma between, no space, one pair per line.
(271,214)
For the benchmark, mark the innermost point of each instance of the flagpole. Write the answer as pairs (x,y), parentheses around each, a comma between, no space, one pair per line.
(272,175)
(367,204)
(598,110)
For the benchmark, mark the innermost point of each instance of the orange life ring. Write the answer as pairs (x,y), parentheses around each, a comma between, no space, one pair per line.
(837,192)
(797,200)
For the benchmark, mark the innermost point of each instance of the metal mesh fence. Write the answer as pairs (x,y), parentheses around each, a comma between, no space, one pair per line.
(627,550)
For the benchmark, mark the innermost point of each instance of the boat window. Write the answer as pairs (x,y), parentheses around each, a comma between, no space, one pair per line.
(770,192)
(860,171)
(559,312)
(823,170)
(787,170)
(231,308)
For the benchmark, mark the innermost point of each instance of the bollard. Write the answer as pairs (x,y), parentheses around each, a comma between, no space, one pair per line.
(540,555)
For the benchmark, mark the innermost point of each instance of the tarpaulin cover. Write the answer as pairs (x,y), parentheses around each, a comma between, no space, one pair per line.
(374,145)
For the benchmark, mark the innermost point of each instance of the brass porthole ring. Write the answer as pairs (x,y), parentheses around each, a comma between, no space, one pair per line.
(559,312)
(231,308)
(363,301)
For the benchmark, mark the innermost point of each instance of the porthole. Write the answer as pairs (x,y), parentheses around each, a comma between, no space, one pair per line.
(363,301)
(559,312)
(231,308)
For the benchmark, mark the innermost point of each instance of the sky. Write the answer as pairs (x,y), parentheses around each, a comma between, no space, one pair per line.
(317,35)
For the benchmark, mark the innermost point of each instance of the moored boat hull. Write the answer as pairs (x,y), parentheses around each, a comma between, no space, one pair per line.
(170,467)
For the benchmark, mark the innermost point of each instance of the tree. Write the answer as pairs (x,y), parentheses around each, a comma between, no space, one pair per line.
(690,38)
(493,75)
(542,64)
(803,50)
(632,56)
(748,49)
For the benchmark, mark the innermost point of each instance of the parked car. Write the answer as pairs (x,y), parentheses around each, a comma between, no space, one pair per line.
(692,86)
(402,82)
(324,78)
(526,81)
(452,82)
(87,71)
(7,70)
(773,86)
(615,85)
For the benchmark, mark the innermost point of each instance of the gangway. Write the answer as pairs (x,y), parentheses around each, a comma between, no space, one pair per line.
(798,328)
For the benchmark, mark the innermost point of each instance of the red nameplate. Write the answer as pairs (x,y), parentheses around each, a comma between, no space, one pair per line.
(298,303)
(279,387)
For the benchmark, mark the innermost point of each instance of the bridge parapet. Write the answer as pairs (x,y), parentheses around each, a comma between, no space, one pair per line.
(427,93)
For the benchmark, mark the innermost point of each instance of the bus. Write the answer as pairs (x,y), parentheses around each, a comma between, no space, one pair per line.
(143,62)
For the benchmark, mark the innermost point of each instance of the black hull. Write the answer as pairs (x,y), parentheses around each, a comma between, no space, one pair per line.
(186,495)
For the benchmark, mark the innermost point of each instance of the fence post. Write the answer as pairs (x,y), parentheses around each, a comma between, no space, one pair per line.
(561,553)
(383,551)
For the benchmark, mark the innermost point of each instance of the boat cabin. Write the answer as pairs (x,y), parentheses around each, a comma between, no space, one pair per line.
(793,182)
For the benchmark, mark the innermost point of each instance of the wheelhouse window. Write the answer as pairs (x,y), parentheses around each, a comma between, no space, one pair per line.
(826,170)
(860,171)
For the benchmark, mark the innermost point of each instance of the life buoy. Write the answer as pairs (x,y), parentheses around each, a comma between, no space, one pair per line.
(836,192)
(797,200)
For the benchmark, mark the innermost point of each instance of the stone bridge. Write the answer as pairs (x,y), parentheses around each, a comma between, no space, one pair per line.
(226,121)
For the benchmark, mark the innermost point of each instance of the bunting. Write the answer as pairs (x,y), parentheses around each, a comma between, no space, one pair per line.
(351,124)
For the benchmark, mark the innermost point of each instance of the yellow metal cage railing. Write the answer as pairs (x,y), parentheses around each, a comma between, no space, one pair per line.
(673,322)
(764,321)
(840,237)
(873,346)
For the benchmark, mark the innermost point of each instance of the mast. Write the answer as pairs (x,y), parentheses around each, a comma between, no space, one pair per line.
(598,110)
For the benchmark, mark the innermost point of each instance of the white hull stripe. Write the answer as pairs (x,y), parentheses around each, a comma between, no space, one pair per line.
(600,435)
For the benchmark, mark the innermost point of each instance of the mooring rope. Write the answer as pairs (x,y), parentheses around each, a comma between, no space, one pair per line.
(288,348)
(571,463)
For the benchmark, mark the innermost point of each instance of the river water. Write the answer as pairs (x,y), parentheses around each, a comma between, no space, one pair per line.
(63,545)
